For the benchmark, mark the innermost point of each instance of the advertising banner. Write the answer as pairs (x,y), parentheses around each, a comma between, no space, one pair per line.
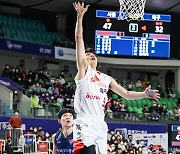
(53,126)
(157,140)
(174,135)
(137,128)
(27,48)
(65,54)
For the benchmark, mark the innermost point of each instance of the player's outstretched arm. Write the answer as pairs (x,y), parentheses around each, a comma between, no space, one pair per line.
(132,95)
(80,49)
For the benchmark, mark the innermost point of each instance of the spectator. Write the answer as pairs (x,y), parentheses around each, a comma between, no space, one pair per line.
(50,90)
(19,81)
(122,106)
(146,112)
(23,75)
(154,111)
(60,100)
(176,111)
(12,74)
(130,86)
(160,90)
(17,74)
(71,78)
(67,90)
(116,105)
(29,75)
(8,146)
(61,80)
(163,112)
(29,83)
(119,151)
(40,132)
(31,130)
(52,100)
(67,103)
(138,83)
(16,100)
(144,150)
(46,137)
(123,109)
(34,100)
(108,110)
(137,144)
(130,141)
(61,43)
(5,72)
(146,80)
(15,123)
(169,92)
(37,88)
(144,85)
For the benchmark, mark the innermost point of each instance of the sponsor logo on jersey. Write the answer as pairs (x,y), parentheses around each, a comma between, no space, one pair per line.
(102,90)
(91,96)
(70,141)
(65,151)
(98,82)
(95,79)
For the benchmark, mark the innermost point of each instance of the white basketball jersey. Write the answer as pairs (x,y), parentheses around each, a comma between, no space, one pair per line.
(91,93)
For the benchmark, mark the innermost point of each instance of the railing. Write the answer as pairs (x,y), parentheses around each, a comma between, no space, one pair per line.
(1,108)
(25,143)
(29,144)
(2,146)
(42,112)
(134,116)
(15,135)
(4,130)
(43,147)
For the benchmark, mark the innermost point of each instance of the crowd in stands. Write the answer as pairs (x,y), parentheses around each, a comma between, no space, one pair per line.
(40,86)
(117,143)
(44,89)
(125,144)
(63,43)
(166,108)
(40,134)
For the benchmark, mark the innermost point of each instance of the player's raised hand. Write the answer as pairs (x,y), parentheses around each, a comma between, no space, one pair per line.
(152,94)
(80,8)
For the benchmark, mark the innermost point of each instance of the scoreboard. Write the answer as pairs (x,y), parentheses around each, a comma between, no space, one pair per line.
(146,38)
(174,135)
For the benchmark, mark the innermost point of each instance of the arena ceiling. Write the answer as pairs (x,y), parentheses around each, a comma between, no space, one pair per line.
(63,6)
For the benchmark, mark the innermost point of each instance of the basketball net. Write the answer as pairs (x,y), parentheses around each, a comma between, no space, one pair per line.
(131,9)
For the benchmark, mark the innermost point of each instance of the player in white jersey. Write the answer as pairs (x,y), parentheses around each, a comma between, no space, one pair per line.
(90,129)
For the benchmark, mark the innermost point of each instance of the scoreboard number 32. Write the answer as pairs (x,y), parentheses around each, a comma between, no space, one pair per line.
(159,29)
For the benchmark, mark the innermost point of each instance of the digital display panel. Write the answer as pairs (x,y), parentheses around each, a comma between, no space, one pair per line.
(175,136)
(146,38)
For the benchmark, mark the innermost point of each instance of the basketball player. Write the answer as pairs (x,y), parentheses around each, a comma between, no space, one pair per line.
(90,129)
(63,139)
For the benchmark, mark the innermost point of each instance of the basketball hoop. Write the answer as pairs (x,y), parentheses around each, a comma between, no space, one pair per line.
(131,9)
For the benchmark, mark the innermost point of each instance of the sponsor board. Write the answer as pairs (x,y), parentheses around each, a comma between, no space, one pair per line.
(65,53)
(27,48)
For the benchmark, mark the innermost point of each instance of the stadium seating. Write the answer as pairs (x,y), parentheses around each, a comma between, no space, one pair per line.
(6,109)
(27,30)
